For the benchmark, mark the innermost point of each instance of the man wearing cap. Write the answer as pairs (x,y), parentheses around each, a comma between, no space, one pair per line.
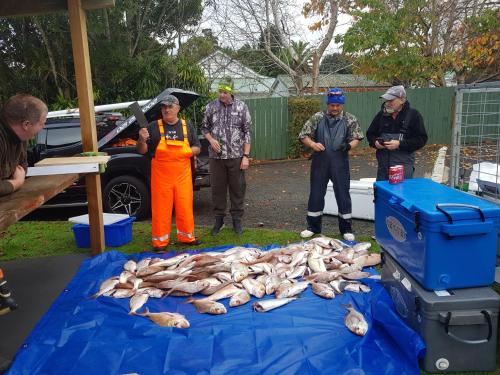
(170,143)
(330,135)
(397,131)
(226,126)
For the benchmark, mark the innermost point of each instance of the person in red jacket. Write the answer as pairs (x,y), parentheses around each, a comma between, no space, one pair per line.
(170,143)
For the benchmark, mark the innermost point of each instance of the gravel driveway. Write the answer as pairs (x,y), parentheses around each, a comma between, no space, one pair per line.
(277,193)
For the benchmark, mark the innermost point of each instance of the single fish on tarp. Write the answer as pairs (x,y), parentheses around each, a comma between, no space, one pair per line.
(355,321)
(270,304)
(167,319)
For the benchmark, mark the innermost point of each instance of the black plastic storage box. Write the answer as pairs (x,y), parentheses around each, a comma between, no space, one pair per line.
(459,326)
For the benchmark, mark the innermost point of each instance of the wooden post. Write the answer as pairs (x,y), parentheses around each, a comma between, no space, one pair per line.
(81,59)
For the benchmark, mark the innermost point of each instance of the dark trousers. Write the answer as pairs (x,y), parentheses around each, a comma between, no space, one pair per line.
(226,174)
(386,159)
(332,166)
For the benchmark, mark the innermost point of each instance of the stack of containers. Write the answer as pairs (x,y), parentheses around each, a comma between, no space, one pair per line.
(439,252)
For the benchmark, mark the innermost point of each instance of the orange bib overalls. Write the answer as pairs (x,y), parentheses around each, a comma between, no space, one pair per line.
(171,184)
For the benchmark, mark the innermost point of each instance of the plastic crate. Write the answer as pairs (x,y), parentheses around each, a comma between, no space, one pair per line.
(116,234)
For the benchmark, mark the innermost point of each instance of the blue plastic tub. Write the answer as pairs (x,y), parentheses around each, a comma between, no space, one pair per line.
(443,237)
(116,234)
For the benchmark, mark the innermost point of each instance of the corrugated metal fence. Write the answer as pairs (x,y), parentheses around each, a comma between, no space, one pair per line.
(269,127)
(270,117)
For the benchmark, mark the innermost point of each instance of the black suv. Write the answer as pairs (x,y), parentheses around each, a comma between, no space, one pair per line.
(125,182)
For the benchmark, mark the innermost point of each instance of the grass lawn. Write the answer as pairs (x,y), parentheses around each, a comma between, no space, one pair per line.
(45,238)
(27,239)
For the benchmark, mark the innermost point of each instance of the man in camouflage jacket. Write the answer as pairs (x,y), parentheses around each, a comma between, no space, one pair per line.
(226,126)
(330,135)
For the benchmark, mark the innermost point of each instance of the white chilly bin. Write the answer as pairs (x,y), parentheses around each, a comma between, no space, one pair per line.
(361,196)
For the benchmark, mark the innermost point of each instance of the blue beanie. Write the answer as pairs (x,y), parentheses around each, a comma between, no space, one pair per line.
(335,96)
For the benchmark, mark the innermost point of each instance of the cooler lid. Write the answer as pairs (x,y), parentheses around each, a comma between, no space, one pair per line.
(434,201)
(459,299)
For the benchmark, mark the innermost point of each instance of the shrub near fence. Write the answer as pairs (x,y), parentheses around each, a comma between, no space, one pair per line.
(299,109)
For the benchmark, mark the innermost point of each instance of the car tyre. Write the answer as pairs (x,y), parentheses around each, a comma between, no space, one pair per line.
(127,195)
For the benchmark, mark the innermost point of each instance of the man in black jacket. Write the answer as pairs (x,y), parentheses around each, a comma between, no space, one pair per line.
(397,131)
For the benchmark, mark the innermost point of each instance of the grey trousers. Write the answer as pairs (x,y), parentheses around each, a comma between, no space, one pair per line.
(225,174)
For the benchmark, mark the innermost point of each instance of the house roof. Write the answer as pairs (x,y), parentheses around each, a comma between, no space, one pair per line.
(249,86)
(334,80)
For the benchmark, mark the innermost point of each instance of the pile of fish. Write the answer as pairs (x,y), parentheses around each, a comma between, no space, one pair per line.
(328,265)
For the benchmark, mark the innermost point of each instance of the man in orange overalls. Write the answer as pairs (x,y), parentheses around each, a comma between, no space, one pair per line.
(170,143)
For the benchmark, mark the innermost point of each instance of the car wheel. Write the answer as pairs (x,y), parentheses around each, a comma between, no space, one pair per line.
(126,195)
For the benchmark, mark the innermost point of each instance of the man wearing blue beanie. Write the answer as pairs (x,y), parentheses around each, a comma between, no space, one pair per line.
(330,135)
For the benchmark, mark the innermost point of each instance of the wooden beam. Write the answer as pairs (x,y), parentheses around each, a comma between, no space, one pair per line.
(78,27)
(9,8)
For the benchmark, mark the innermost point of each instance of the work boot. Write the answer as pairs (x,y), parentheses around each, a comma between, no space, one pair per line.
(237,226)
(7,303)
(219,223)
(345,228)
(306,233)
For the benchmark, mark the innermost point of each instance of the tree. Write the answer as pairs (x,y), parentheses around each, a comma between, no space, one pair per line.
(415,42)
(268,26)
(198,47)
(328,11)
(129,45)
(336,63)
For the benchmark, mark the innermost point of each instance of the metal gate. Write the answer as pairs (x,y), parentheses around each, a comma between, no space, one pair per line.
(475,154)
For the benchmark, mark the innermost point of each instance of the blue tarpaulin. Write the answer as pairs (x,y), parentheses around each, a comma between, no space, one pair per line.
(80,335)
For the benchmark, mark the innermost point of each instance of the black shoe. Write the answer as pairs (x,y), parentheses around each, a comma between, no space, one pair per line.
(161,249)
(219,223)
(196,242)
(237,226)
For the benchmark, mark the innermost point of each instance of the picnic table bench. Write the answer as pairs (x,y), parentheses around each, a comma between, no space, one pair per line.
(35,191)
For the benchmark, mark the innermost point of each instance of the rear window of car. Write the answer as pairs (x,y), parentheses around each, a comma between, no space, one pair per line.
(59,133)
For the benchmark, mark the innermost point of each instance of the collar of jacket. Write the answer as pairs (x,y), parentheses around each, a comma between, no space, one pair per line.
(10,133)
(224,104)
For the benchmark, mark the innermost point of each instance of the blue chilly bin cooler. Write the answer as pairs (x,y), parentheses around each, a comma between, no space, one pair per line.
(443,237)
(116,234)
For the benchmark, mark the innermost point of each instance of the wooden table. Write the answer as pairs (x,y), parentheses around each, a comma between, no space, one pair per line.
(36,191)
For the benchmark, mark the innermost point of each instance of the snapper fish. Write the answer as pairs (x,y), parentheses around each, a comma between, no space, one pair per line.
(107,286)
(167,319)
(355,321)
(271,304)
(205,306)
(137,301)
(239,298)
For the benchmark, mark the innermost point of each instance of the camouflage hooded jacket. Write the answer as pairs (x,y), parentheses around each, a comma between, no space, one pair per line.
(229,125)
(353,129)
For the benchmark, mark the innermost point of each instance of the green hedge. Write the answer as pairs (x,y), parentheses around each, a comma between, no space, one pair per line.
(299,109)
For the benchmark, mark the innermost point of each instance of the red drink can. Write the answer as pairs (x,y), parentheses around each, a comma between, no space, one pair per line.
(396,174)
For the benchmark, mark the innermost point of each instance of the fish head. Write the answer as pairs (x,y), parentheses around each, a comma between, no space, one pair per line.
(218,309)
(181,323)
(360,330)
